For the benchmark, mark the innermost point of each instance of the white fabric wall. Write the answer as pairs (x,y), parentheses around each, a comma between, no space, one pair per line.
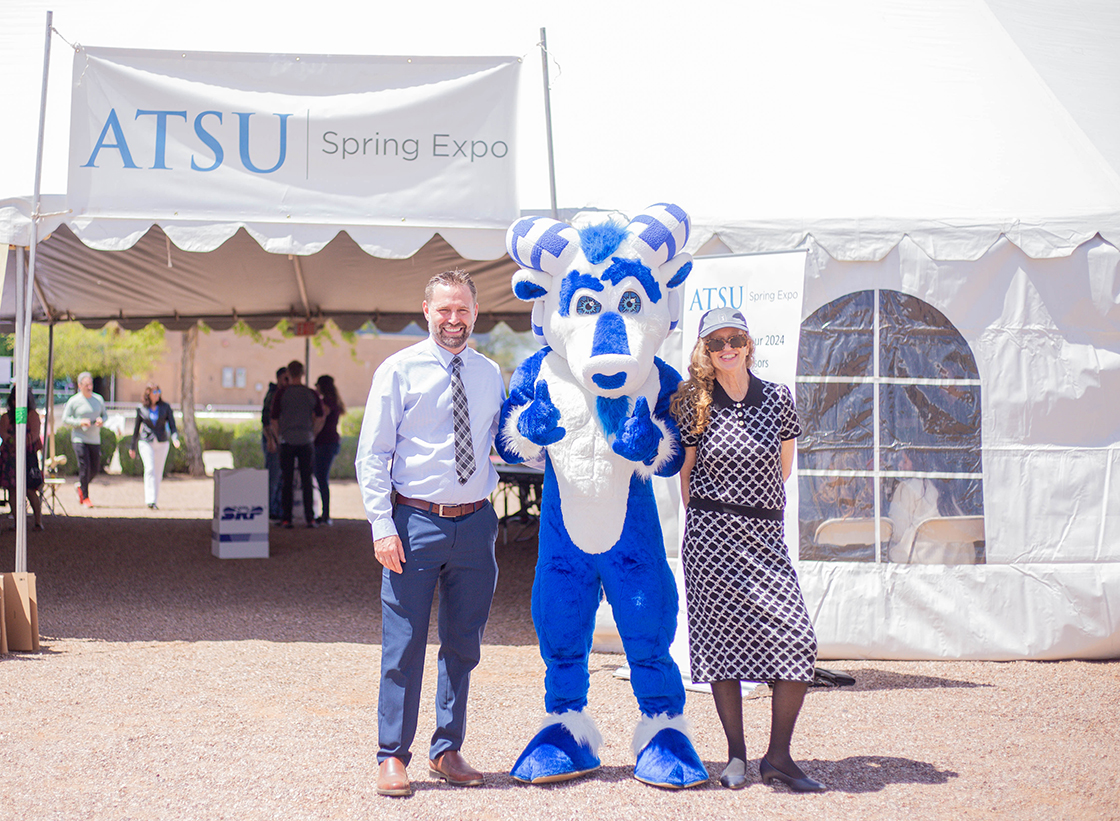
(1046,337)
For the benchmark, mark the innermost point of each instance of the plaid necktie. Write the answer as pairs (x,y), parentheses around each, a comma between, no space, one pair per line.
(464,448)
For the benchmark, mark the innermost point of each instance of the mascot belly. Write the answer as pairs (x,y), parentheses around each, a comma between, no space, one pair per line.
(594,405)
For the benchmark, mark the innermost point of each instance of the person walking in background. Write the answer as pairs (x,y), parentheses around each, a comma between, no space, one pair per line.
(424,469)
(84,414)
(297,417)
(327,442)
(155,426)
(33,443)
(747,619)
(271,446)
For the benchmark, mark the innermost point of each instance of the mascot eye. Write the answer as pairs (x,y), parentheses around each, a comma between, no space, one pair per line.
(588,305)
(630,303)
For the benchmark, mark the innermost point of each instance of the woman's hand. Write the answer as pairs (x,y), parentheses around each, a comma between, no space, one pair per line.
(131,453)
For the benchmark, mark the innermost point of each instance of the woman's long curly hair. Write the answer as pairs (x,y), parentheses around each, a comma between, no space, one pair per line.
(696,391)
(149,389)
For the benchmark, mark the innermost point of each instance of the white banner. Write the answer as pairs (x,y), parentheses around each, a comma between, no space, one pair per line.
(768,289)
(413,141)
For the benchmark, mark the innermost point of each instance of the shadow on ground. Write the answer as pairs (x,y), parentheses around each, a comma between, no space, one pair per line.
(317,585)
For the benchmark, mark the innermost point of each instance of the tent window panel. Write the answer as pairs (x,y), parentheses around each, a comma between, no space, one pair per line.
(837,518)
(917,449)
(842,434)
(934,520)
(937,428)
(838,339)
(917,341)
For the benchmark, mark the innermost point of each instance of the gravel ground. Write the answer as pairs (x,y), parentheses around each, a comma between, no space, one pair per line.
(173,685)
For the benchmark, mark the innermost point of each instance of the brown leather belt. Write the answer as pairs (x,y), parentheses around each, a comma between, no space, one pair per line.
(445,511)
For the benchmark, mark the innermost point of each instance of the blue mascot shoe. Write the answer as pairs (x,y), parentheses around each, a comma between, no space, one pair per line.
(669,760)
(555,754)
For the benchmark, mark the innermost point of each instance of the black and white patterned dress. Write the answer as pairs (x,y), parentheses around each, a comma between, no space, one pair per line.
(746,616)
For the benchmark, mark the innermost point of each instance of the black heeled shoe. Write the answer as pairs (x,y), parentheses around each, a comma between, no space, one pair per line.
(771,773)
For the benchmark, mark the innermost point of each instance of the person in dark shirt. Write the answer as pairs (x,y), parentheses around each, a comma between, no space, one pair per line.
(297,417)
(271,445)
(327,442)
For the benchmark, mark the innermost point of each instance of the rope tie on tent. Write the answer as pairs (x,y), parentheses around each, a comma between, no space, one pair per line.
(75,46)
(168,239)
(540,45)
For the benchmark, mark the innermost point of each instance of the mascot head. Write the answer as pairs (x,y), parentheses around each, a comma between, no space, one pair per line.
(604,296)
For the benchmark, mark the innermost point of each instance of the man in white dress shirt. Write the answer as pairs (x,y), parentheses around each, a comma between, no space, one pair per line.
(424,468)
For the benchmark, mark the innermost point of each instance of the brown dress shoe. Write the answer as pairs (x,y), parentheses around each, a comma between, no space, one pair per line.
(392,779)
(454,769)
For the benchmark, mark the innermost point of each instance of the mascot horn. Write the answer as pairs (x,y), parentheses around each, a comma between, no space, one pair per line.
(593,404)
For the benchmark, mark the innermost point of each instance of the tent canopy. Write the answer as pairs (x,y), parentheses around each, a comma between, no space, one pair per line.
(952,124)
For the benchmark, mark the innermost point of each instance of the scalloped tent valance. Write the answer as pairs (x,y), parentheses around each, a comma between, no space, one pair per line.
(228,276)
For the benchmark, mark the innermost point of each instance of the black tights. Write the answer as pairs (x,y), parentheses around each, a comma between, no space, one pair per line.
(784,708)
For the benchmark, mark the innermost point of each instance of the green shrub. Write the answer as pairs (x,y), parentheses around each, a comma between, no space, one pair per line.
(177,459)
(351,422)
(215,436)
(129,466)
(247,452)
(343,466)
(63,445)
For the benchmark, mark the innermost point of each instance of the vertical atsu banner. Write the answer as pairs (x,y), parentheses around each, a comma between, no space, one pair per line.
(416,141)
(768,289)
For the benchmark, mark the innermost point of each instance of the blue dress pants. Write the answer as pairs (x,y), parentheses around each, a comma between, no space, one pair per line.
(457,557)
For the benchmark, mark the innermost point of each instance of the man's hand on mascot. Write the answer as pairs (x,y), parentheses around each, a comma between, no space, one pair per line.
(639,437)
(540,421)
(389,552)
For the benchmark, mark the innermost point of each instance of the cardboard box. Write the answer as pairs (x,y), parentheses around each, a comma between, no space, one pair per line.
(240,529)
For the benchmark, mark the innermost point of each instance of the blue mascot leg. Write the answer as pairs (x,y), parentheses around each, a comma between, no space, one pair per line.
(566,596)
(643,596)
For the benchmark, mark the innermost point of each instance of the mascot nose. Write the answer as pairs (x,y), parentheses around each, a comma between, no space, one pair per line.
(610,336)
(610,340)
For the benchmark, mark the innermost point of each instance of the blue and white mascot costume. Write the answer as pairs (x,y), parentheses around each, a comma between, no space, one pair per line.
(595,403)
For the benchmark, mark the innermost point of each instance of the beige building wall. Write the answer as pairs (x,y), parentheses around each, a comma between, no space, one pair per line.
(251,366)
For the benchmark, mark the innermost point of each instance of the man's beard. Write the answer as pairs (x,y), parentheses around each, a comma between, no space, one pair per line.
(453,341)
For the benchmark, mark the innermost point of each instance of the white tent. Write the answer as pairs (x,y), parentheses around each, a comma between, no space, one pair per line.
(965,154)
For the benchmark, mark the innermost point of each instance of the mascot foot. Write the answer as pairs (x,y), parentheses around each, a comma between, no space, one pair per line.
(565,748)
(668,759)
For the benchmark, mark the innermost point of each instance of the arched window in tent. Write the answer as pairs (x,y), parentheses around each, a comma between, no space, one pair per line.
(889,463)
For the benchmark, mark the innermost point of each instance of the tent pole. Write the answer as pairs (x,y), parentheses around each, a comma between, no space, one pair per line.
(548,125)
(16,495)
(23,324)
(48,403)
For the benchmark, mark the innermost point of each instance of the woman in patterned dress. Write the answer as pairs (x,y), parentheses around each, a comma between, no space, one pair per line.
(747,619)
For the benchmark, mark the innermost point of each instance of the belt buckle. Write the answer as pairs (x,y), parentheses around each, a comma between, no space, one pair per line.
(441,514)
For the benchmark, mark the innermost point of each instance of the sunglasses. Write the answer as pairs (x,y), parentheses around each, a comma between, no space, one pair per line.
(715,344)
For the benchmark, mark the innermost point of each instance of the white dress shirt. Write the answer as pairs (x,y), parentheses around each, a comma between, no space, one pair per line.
(407,442)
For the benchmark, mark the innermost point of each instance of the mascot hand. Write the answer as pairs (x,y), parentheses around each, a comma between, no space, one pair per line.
(540,422)
(640,437)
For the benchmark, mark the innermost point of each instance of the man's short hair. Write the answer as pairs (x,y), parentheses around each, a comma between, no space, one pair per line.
(295,369)
(281,372)
(450,278)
